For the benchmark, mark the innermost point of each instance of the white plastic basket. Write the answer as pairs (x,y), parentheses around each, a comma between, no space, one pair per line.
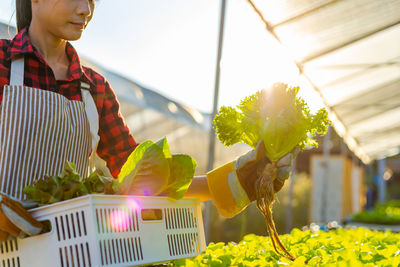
(109,230)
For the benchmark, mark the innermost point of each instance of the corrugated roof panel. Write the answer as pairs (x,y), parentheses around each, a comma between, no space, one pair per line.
(336,25)
(278,11)
(360,84)
(368,104)
(379,121)
(377,51)
(350,51)
(390,144)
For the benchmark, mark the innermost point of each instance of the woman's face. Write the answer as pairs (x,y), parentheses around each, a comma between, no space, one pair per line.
(65,19)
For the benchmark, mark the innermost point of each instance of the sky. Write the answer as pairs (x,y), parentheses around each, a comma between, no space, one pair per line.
(171,47)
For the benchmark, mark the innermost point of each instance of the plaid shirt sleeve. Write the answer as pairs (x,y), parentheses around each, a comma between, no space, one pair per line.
(4,67)
(116,142)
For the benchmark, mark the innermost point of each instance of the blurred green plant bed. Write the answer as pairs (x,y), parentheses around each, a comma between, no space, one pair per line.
(387,213)
(341,247)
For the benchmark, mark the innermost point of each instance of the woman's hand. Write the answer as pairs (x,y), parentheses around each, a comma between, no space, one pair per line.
(15,219)
(284,168)
(232,186)
(249,165)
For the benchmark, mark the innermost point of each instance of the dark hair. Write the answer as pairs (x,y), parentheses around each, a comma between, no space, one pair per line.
(24,13)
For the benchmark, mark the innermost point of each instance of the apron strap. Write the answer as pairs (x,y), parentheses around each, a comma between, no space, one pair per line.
(17,71)
(93,118)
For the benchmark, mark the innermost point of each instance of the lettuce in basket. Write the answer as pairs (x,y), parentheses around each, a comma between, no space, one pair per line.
(67,185)
(151,170)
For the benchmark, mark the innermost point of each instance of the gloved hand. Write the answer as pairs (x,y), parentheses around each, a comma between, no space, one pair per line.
(15,220)
(232,185)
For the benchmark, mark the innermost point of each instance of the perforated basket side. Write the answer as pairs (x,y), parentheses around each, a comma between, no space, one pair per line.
(77,255)
(120,251)
(129,220)
(121,243)
(71,228)
(183,232)
(9,253)
(71,225)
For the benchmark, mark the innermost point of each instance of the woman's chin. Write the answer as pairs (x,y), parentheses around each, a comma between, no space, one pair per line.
(72,35)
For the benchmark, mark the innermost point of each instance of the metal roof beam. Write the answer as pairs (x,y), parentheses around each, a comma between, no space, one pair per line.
(332,49)
(369,91)
(267,24)
(395,129)
(369,116)
(358,73)
(373,149)
(358,66)
(305,13)
(351,108)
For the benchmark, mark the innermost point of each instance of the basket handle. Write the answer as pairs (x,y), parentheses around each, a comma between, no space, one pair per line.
(151,214)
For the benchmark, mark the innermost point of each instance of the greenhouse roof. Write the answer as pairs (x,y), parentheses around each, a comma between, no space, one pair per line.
(350,52)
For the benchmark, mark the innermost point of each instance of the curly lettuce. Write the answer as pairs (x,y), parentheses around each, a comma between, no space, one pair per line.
(277,116)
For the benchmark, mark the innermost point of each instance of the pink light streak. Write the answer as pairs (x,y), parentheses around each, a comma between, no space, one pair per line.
(120,220)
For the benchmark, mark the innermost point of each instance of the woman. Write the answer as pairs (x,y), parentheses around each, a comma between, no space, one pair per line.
(53,110)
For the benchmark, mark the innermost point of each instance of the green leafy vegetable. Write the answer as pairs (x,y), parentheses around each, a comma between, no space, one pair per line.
(386,213)
(133,159)
(151,174)
(277,116)
(342,247)
(282,121)
(182,171)
(52,189)
(151,170)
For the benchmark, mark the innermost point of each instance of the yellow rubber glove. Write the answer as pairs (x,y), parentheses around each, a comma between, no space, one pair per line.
(232,185)
(15,220)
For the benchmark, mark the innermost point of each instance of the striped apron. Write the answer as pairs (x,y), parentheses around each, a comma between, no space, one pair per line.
(40,130)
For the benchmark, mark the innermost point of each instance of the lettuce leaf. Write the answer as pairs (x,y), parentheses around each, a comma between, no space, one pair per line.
(163,144)
(277,116)
(151,173)
(182,171)
(152,170)
(133,159)
(69,184)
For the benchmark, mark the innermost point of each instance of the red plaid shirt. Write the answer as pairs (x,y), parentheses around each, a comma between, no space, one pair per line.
(116,142)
